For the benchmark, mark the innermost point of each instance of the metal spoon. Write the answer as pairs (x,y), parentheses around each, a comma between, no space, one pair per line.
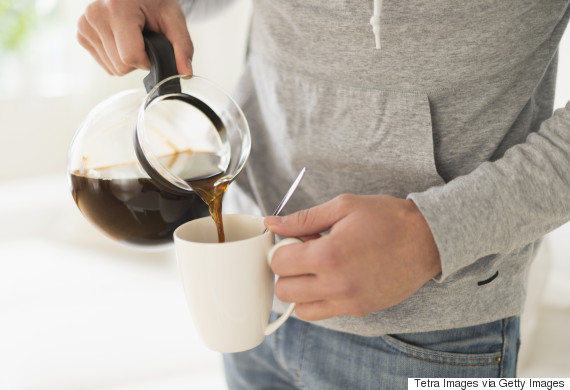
(289,193)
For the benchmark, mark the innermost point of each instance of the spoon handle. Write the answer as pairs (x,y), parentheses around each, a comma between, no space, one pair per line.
(289,192)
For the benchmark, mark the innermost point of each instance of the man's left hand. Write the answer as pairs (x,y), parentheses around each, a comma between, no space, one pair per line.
(378,251)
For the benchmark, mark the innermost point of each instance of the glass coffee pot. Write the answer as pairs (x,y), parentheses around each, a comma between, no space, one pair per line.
(141,162)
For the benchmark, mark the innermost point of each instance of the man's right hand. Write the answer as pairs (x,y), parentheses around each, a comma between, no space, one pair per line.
(111,30)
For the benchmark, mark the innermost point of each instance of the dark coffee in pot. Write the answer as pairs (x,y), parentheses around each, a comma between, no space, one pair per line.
(134,211)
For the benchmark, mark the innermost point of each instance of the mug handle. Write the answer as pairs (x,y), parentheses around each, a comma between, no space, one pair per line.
(272,327)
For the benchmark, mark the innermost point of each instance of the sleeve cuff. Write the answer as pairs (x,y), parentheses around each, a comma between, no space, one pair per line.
(467,219)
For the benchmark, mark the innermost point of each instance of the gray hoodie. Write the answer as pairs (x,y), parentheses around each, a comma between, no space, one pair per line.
(445,103)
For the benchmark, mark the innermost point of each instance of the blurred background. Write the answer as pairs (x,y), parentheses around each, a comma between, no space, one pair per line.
(79,312)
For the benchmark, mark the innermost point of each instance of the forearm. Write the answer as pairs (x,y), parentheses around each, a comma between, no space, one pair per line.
(506,204)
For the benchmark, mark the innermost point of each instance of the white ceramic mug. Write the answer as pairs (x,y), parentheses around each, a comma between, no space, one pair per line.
(229,286)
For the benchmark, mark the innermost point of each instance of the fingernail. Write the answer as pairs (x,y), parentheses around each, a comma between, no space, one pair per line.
(189,65)
(274,221)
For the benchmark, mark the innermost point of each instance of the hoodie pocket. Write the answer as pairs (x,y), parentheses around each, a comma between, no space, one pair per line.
(353,140)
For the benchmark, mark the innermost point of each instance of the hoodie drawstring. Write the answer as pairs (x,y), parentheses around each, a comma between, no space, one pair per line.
(375,21)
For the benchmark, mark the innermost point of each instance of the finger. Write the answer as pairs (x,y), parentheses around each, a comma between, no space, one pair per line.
(127,26)
(130,46)
(303,288)
(110,46)
(324,309)
(316,310)
(98,16)
(103,41)
(314,287)
(88,38)
(94,53)
(313,311)
(311,221)
(294,259)
(177,33)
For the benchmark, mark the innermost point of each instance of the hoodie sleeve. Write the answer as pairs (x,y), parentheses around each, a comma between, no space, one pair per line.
(505,204)
(200,9)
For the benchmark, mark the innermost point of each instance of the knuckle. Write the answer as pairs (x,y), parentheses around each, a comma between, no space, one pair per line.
(132,59)
(344,201)
(114,5)
(324,262)
(329,259)
(333,262)
(343,289)
(171,8)
(94,12)
(122,70)
(304,217)
(82,26)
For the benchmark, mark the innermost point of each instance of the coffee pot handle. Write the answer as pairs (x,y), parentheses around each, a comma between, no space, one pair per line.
(162,63)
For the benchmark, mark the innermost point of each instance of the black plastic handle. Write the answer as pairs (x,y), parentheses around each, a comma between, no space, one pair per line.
(162,63)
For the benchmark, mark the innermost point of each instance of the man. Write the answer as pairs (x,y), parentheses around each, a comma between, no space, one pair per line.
(435,166)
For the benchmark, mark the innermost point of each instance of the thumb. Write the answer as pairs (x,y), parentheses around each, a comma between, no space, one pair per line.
(183,51)
(176,30)
(305,222)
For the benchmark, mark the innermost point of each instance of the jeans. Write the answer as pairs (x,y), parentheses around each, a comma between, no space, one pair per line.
(305,356)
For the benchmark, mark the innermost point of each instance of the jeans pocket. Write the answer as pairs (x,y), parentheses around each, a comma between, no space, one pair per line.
(441,357)
(470,352)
